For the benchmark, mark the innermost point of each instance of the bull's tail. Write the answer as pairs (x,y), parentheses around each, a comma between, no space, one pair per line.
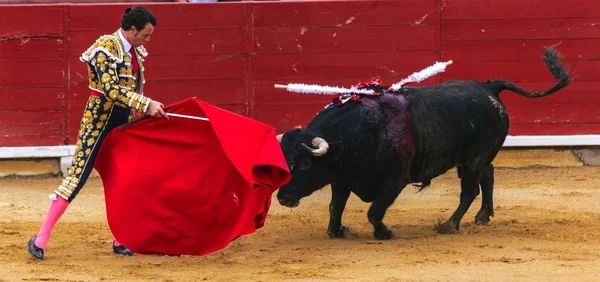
(552,60)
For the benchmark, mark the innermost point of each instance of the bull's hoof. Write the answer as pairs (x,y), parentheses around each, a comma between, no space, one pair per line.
(337,233)
(447,227)
(483,217)
(384,234)
(482,220)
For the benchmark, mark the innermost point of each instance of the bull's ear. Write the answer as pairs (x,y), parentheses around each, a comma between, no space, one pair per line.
(291,131)
(292,134)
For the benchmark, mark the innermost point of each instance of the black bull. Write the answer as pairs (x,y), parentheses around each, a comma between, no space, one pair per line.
(376,146)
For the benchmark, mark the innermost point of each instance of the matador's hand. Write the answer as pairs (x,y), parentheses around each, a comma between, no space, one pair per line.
(155,110)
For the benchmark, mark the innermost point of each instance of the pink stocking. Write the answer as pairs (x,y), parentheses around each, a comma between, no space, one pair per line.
(57,208)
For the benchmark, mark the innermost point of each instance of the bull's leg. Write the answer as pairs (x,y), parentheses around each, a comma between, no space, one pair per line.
(487,192)
(339,197)
(390,190)
(469,183)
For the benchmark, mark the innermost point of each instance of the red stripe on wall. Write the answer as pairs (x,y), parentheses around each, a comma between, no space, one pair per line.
(231,55)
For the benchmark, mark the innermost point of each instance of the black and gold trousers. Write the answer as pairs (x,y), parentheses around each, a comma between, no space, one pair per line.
(99,118)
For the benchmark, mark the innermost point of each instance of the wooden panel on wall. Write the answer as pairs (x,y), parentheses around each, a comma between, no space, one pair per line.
(32,140)
(32,127)
(526,71)
(336,44)
(554,112)
(520,50)
(192,42)
(219,66)
(231,55)
(576,92)
(347,13)
(73,114)
(531,9)
(284,117)
(197,41)
(344,39)
(32,99)
(28,48)
(32,47)
(554,128)
(168,15)
(505,29)
(298,67)
(81,40)
(181,67)
(216,92)
(32,73)
(23,20)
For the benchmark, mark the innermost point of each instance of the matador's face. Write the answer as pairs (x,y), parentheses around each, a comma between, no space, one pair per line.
(140,37)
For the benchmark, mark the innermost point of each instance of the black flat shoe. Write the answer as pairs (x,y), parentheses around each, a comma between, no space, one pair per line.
(121,250)
(35,252)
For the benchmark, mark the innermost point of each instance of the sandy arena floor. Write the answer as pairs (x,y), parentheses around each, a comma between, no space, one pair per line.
(546,228)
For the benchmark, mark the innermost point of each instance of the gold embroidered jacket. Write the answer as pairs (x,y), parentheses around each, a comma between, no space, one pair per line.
(111,73)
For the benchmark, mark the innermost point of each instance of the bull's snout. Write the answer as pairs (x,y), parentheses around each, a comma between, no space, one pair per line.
(288,202)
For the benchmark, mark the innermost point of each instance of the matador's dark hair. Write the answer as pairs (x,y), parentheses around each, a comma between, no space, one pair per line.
(137,16)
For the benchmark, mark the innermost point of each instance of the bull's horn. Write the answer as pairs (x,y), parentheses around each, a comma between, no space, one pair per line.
(321,144)
(279,137)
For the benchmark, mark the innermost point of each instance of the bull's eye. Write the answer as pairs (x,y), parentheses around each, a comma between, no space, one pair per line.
(305,164)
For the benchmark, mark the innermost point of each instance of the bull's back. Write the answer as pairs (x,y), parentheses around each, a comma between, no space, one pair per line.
(453,123)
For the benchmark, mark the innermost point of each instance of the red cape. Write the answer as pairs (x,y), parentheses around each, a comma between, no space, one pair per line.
(189,187)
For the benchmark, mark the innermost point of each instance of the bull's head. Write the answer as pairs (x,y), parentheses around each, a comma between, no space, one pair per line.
(305,155)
